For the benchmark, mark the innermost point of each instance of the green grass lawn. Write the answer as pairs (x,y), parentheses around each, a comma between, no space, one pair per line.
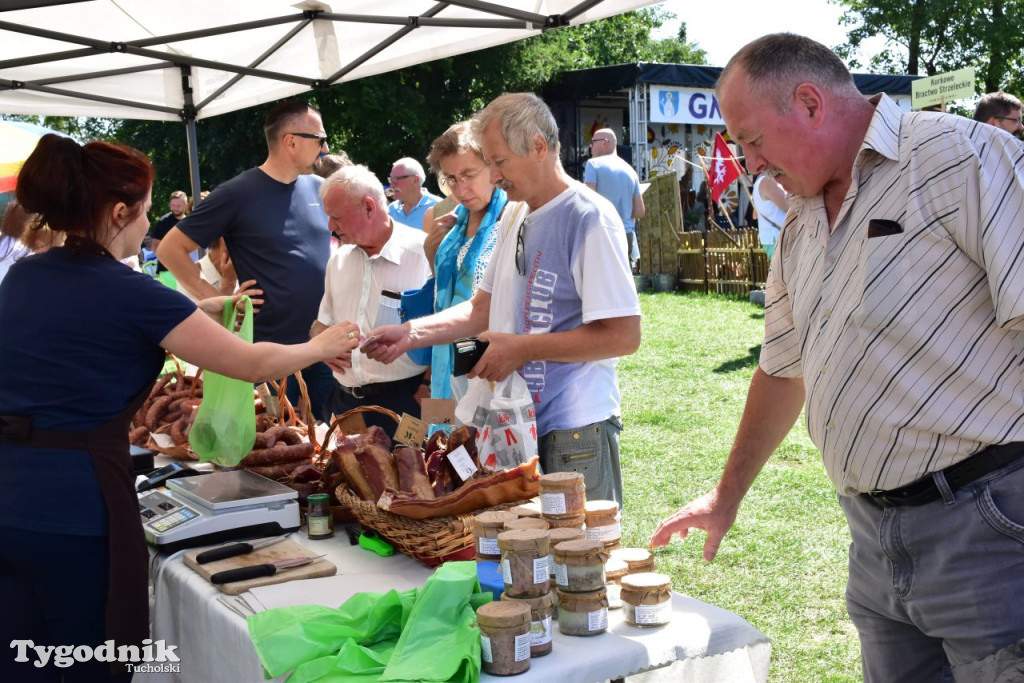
(783,565)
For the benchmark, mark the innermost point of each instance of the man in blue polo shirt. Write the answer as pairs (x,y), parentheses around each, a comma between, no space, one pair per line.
(411,200)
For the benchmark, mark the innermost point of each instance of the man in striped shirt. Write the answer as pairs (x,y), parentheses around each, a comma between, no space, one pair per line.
(895,317)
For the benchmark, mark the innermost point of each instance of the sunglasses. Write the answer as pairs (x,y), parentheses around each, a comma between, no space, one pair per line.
(393,178)
(311,136)
(521,250)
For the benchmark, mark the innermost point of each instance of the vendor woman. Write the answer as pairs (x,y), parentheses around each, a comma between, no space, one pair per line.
(82,338)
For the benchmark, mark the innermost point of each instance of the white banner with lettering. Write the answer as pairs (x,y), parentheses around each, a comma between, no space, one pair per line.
(684,105)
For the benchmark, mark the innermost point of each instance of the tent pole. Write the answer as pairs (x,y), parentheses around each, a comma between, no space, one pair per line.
(188,115)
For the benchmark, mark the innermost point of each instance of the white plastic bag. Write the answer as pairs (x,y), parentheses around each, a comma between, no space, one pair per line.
(506,421)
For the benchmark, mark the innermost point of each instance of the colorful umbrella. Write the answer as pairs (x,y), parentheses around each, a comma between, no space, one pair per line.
(17,140)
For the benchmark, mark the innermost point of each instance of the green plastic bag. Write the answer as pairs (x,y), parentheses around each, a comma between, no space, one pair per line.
(423,634)
(225,426)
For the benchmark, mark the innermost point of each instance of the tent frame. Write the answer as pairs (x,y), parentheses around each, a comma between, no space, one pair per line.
(505,18)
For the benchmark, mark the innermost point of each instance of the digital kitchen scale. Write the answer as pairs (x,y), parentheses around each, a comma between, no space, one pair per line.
(217,507)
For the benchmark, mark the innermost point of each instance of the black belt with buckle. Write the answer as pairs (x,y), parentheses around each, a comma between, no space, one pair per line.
(958,475)
(378,388)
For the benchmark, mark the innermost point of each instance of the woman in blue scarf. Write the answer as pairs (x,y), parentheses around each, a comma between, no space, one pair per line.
(467,237)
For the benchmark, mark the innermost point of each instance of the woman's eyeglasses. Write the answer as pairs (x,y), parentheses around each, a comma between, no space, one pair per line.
(463,178)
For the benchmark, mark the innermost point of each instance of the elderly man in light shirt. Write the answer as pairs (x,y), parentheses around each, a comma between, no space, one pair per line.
(378,259)
(411,200)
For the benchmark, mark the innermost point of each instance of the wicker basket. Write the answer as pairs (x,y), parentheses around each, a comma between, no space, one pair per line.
(431,541)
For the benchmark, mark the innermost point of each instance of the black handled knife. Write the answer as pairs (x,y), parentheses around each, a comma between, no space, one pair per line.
(258,570)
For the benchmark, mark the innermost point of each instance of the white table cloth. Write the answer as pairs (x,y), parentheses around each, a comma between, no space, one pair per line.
(703,643)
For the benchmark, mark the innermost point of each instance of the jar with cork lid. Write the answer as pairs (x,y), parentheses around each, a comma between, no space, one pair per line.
(562,494)
(570,522)
(542,609)
(486,527)
(504,637)
(579,566)
(602,517)
(524,562)
(638,560)
(526,523)
(556,536)
(647,599)
(582,614)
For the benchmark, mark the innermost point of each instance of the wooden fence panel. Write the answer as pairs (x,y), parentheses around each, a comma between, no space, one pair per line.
(722,261)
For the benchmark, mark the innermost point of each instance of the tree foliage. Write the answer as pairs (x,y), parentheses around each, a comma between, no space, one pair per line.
(382,118)
(935,36)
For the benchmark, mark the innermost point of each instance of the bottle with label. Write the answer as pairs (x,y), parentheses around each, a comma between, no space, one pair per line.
(319,520)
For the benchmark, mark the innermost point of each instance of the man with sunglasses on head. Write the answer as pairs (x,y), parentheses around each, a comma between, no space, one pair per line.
(276,234)
(411,199)
(557,303)
(615,180)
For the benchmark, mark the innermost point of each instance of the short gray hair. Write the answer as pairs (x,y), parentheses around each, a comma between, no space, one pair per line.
(777,63)
(410,164)
(521,116)
(355,182)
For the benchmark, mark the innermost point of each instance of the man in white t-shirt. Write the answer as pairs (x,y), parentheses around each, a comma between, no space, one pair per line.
(557,303)
(378,260)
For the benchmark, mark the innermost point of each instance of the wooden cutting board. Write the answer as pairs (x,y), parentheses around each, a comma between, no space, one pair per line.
(284,550)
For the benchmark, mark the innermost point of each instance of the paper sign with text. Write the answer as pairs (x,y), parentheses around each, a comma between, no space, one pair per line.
(463,464)
(942,88)
(411,431)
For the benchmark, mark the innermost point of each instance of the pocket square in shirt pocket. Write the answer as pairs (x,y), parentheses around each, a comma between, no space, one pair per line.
(881,227)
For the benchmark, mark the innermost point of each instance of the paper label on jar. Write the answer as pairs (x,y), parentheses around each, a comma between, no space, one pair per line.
(488,546)
(319,526)
(551,565)
(485,649)
(611,532)
(552,503)
(561,575)
(540,570)
(506,572)
(653,614)
(522,647)
(597,621)
(540,632)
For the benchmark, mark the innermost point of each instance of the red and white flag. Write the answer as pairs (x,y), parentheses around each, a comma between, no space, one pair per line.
(724,170)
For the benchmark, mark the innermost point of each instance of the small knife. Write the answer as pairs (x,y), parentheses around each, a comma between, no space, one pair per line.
(234,549)
(257,570)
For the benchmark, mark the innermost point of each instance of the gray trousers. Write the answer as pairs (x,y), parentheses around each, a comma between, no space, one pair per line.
(940,587)
(592,450)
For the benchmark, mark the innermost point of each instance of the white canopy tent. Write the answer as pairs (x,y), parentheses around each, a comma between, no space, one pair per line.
(189,59)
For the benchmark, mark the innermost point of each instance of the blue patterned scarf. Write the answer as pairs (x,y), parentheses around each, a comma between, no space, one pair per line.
(455,285)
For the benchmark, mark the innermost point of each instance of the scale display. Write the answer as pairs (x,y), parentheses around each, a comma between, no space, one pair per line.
(212,508)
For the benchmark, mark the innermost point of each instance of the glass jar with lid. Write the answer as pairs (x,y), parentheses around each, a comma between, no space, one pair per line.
(524,561)
(504,637)
(579,566)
